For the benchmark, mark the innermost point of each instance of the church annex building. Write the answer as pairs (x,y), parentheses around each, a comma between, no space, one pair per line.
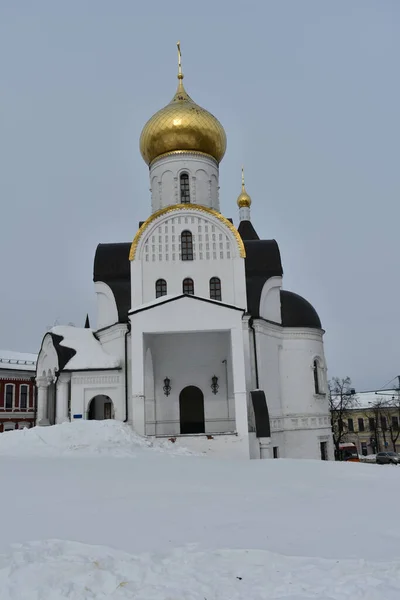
(196,340)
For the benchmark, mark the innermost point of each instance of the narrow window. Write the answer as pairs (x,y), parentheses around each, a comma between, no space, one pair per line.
(9,396)
(364,449)
(350,424)
(361,425)
(161,288)
(276,451)
(371,422)
(186,245)
(215,288)
(383,423)
(395,423)
(324,450)
(316,377)
(23,397)
(188,286)
(185,188)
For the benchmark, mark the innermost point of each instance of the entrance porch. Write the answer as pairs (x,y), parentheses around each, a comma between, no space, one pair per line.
(188,369)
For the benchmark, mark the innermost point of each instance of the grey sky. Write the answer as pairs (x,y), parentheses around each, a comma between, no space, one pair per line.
(308,92)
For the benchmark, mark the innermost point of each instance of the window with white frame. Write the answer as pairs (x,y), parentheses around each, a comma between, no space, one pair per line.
(186,245)
(9,396)
(161,288)
(23,396)
(184,188)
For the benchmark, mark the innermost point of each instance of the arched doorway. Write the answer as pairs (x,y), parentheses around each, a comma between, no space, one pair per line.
(191,410)
(100,408)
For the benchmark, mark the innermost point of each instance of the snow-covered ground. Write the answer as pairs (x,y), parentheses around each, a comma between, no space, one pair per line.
(91,511)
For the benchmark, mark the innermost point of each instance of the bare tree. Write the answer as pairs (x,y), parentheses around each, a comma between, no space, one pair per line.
(341,400)
(377,425)
(386,413)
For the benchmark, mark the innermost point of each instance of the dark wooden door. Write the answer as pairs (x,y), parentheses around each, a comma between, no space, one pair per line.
(191,409)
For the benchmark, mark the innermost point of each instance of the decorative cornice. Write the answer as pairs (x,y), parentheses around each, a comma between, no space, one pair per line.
(183,152)
(186,208)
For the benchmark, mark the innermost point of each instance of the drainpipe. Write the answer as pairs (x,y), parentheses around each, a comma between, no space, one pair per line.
(35,393)
(126,372)
(251,320)
(225,362)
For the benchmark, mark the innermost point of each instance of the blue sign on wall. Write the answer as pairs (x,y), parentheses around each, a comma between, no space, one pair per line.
(77,416)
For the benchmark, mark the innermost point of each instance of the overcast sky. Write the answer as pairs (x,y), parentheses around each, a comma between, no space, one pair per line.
(308,93)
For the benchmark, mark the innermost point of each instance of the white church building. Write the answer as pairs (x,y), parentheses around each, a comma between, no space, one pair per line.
(195,341)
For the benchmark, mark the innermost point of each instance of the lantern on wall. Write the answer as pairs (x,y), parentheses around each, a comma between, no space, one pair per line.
(214,384)
(167,386)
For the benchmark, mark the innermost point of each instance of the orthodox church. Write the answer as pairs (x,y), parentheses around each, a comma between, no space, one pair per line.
(195,341)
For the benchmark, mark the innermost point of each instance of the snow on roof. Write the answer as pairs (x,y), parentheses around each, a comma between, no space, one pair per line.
(89,351)
(365,400)
(17,361)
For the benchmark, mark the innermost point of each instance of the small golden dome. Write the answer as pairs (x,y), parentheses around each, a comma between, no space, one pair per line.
(244,200)
(182,125)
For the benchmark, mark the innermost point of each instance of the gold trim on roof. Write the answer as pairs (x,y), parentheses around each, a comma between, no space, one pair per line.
(186,207)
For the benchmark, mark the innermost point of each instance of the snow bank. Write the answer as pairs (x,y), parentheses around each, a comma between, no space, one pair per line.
(54,570)
(111,438)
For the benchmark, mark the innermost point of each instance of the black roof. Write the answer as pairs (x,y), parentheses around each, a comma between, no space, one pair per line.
(263,261)
(296,311)
(111,265)
(64,353)
(247,231)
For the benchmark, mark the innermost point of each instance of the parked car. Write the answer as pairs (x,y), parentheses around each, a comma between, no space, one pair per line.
(387,458)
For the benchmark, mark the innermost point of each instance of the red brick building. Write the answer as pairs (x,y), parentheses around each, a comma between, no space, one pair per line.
(17,390)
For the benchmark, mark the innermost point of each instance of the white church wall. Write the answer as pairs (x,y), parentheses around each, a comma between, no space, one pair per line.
(48,359)
(270,300)
(299,349)
(203,180)
(305,444)
(86,385)
(107,312)
(215,254)
(268,344)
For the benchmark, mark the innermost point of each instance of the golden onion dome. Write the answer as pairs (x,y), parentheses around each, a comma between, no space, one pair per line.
(244,200)
(182,125)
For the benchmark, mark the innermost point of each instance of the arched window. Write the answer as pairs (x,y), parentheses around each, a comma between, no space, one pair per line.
(161,288)
(215,288)
(316,377)
(186,245)
(188,286)
(9,396)
(23,397)
(185,188)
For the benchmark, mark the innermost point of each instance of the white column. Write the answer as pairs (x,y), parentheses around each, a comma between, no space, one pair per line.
(265,448)
(41,412)
(62,398)
(239,383)
(138,396)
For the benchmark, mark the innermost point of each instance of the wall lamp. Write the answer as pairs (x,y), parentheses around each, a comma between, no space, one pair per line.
(214,384)
(167,386)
